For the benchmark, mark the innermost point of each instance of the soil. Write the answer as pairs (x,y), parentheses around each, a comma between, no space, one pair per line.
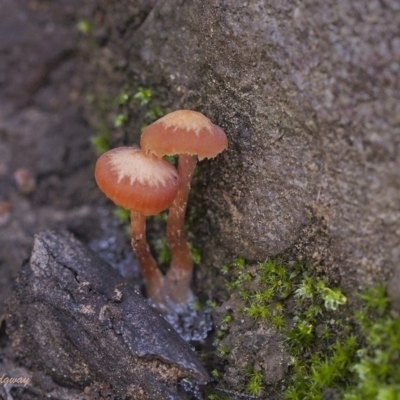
(41,130)
(46,157)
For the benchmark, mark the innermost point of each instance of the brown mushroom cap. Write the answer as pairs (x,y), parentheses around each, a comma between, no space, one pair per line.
(184,132)
(137,181)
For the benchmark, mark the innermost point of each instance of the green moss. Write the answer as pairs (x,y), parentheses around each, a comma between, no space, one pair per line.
(164,252)
(101,105)
(223,350)
(143,96)
(214,395)
(211,303)
(122,215)
(362,364)
(255,383)
(85,26)
(196,257)
(121,120)
(227,319)
(123,98)
(376,365)
(355,354)
(115,112)
(101,140)
(375,298)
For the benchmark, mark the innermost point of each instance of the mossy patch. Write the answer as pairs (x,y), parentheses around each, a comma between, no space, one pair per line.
(115,113)
(323,347)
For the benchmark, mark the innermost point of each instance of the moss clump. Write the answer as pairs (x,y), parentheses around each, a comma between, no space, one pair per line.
(282,296)
(101,140)
(376,365)
(85,26)
(333,351)
(255,381)
(363,363)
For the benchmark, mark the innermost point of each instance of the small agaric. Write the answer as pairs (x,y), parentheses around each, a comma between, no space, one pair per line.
(145,185)
(190,135)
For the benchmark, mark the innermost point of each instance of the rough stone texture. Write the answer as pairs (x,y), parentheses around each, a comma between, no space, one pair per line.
(250,343)
(72,316)
(41,129)
(309,97)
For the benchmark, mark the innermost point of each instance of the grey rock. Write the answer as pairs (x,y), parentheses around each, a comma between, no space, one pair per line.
(309,97)
(72,316)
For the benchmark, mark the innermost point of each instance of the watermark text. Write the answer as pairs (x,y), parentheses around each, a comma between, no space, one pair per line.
(9,380)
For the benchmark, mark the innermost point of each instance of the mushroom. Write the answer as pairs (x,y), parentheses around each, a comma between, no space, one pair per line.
(190,135)
(145,185)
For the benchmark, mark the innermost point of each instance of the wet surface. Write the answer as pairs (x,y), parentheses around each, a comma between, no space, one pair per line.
(113,245)
(192,324)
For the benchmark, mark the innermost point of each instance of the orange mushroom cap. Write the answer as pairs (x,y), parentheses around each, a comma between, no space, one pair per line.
(137,181)
(184,132)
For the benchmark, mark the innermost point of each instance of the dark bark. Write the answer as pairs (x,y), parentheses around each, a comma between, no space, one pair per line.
(74,317)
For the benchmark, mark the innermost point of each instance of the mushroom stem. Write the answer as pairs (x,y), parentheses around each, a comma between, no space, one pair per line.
(153,278)
(179,275)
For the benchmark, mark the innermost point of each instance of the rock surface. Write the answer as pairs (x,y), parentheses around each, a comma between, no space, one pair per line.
(309,96)
(41,130)
(250,343)
(73,317)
